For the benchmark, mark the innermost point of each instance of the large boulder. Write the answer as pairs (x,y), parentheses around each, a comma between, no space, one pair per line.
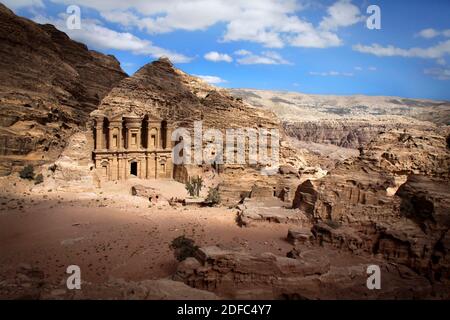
(153,195)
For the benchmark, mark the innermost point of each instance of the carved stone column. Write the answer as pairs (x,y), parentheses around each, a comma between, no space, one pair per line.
(111,130)
(99,133)
(119,141)
(119,168)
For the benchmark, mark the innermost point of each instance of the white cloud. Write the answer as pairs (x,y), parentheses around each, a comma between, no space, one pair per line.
(331,74)
(441,62)
(211,79)
(216,57)
(433,33)
(272,23)
(99,37)
(125,18)
(341,14)
(17,4)
(242,52)
(368,68)
(316,39)
(438,73)
(434,52)
(428,33)
(266,57)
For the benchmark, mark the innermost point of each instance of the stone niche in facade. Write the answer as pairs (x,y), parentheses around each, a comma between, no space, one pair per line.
(132,146)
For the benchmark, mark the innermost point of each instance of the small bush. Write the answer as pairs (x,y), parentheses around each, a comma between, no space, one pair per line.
(194,185)
(190,188)
(27,172)
(213,197)
(183,248)
(39,179)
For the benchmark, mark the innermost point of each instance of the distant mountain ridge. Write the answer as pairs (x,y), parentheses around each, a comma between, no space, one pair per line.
(295,106)
(346,121)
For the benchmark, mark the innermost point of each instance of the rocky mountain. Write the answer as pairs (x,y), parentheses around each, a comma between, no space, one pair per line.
(48,86)
(161,90)
(351,121)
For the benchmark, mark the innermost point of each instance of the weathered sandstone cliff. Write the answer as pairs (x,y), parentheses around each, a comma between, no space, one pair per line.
(392,200)
(48,86)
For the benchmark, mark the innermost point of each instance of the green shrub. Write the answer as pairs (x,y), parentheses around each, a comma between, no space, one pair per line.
(39,179)
(213,197)
(190,188)
(183,248)
(27,172)
(194,185)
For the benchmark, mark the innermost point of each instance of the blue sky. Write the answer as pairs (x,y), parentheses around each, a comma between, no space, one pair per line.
(321,47)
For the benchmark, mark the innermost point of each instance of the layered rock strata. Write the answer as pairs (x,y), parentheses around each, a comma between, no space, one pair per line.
(391,201)
(312,274)
(48,87)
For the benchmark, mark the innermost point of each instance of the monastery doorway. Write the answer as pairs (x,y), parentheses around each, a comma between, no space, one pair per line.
(133,168)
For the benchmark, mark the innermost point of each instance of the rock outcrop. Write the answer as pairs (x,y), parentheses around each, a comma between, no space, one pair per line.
(252,211)
(348,133)
(28,282)
(48,86)
(153,195)
(299,236)
(391,201)
(313,274)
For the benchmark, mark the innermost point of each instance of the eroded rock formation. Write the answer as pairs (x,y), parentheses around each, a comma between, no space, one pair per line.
(391,201)
(28,282)
(48,86)
(312,274)
(348,133)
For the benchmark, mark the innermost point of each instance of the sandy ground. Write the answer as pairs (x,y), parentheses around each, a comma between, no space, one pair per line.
(113,234)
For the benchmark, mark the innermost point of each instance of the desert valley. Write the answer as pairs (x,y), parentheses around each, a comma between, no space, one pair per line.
(88,179)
